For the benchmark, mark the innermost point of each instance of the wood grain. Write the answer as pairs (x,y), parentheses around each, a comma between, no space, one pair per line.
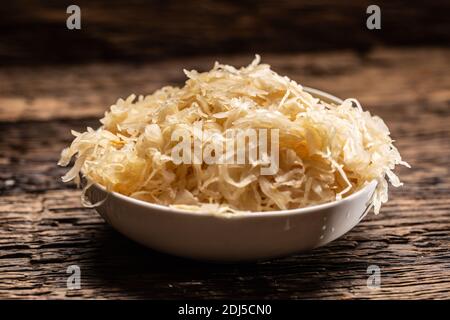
(44,229)
(34,32)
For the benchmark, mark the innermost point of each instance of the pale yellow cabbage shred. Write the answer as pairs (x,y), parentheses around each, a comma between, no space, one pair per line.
(327,151)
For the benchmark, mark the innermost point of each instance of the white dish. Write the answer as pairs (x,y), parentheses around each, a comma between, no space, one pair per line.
(233,237)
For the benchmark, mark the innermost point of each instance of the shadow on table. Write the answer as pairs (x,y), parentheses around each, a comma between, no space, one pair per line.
(120,268)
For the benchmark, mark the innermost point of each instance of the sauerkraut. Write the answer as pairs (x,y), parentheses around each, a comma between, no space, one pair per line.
(326,151)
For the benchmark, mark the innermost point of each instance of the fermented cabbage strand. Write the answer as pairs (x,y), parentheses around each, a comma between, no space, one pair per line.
(326,151)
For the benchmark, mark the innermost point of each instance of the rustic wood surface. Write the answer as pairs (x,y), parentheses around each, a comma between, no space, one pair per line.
(35,31)
(44,228)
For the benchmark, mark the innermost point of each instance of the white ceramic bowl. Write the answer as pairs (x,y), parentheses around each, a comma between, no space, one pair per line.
(233,237)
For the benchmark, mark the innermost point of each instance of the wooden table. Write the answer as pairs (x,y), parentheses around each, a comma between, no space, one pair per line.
(44,229)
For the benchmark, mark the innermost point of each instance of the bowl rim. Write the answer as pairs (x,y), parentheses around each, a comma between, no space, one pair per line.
(315,92)
(240,214)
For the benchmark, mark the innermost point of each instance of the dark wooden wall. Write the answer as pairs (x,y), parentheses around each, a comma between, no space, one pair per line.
(134,30)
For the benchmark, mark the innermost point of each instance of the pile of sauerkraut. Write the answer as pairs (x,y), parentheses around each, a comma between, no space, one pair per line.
(326,151)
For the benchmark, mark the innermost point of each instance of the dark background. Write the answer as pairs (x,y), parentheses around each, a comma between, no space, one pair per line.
(34,32)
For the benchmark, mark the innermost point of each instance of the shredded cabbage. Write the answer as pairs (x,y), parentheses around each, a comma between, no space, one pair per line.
(326,151)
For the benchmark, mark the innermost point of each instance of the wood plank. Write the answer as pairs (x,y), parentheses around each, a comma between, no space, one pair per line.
(383,78)
(35,32)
